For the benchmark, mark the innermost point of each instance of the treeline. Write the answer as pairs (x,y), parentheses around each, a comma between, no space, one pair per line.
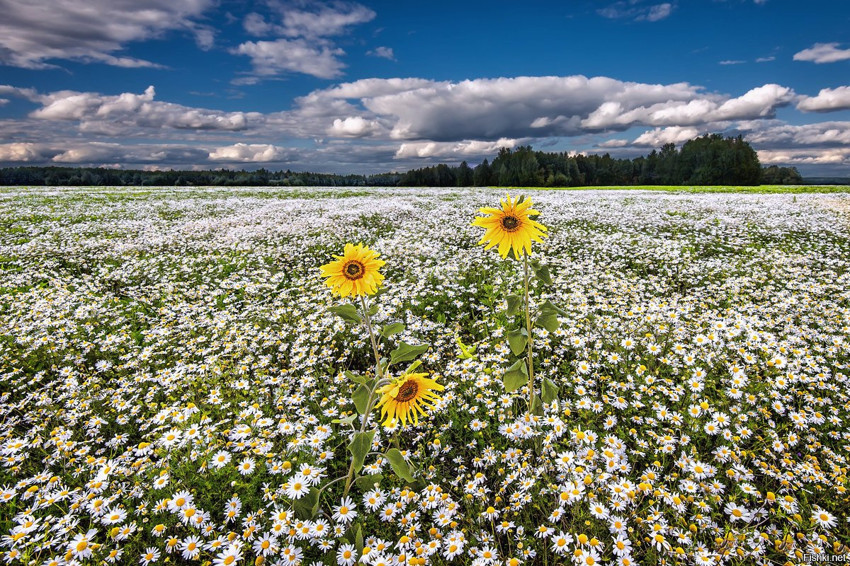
(708,160)
(99,177)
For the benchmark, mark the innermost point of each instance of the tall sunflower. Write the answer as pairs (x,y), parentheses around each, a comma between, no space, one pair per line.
(355,272)
(510,227)
(407,395)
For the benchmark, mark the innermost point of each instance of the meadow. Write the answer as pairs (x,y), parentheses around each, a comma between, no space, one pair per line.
(171,374)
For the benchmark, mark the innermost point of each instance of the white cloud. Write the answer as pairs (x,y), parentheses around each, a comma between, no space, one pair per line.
(248,153)
(613,143)
(823,53)
(732,62)
(823,134)
(34,32)
(14,152)
(270,58)
(658,12)
(300,43)
(632,9)
(661,136)
(466,148)
(765,59)
(112,115)
(383,52)
(353,127)
(828,99)
(834,156)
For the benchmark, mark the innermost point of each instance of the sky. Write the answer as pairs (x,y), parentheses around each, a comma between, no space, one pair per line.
(377,86)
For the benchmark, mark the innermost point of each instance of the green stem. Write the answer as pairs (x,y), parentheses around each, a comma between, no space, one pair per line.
(349,477)
(528,330)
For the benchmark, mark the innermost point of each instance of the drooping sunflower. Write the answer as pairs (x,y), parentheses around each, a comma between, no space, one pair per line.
(407,397)
(510,227)
(355,272)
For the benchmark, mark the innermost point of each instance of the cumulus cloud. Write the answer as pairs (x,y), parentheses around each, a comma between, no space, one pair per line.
(112,115)
(270,58)
(353,127)
(22,152)
(248,153)
(300,35)
(466,148)
(823,53)
(802,156)
(34,32)
(661,136)
(827,100)
(823,134)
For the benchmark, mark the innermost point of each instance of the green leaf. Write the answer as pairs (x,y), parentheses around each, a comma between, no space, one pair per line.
(308,506)
(356,378)
(542,273)
(548,308)
(365,483)
(536,407)
(345,421)
(348,313)
(514,304)
(373,310)
(516,376)
(466,352)
(361,398)
(359,447)
(358,539)
(398,464)
(392,329)
(549,391)
(547,321)
(517,339)
(406,352)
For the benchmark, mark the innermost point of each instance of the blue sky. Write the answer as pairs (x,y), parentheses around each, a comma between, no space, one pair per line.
(378,86)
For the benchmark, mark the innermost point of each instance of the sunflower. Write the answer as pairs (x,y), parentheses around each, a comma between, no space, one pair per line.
(408,394)
(355,272)
(510,227)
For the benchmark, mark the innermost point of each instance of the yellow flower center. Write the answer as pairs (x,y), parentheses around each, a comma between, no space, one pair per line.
(510,223)
(407,391)
(353,270)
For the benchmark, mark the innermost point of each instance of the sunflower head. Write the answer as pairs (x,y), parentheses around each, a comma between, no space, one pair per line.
(355,272)
(407,397)
(510,227)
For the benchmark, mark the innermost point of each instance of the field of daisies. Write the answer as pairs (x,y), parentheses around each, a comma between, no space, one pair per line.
(181,383)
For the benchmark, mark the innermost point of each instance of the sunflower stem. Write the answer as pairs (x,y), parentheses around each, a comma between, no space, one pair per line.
(528,330)
(379,378)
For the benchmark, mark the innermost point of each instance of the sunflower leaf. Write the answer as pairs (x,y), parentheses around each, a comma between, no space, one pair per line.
(466,352)
(356,378)
(514,302)
(548,308)
(548,321)
(348,313)
(359,447)
(406,352)
(345,421)
(549,391)
(517,339)
(542,273)
(392,329)
(361,398)
(516,376)
(399,464)
(368,482)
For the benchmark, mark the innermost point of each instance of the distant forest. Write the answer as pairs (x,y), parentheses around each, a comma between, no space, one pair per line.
(707,160)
